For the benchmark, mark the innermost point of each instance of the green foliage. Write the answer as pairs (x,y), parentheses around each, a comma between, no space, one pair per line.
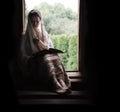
(44,8)
(70,15)
(72,51)
(61,24)
(59,10)
(68,44)
(58,19)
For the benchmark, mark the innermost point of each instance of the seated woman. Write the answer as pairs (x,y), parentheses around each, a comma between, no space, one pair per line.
(46,64)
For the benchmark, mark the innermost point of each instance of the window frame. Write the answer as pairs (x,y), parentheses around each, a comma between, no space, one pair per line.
(87,58)
(75,73)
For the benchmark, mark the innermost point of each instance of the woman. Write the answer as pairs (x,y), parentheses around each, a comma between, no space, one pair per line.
(47,65)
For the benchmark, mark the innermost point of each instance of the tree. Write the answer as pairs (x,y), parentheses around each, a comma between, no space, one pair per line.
(57,19)
(72,51)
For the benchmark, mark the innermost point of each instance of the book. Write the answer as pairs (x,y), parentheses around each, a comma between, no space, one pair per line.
(49,51)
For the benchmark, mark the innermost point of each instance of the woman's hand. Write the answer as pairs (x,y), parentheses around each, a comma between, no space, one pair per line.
(47,47)
(43,45)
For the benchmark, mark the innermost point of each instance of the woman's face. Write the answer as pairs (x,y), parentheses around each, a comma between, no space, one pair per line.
(35,20)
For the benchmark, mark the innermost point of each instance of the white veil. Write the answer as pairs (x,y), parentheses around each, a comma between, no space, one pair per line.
(28,47)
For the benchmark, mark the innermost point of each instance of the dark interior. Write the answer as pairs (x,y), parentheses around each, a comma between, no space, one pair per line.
(87,87)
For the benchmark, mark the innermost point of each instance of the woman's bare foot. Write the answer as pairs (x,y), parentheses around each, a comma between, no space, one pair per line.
(63,84)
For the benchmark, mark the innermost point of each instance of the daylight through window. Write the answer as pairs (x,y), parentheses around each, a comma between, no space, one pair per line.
(61,22)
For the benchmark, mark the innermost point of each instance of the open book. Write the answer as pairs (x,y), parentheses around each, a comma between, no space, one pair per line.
(51,50)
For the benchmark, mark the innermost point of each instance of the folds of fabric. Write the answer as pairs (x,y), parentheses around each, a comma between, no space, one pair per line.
(48,69)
